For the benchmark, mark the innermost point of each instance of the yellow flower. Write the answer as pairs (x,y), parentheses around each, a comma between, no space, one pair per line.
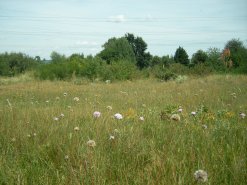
(131,113)
(229,115)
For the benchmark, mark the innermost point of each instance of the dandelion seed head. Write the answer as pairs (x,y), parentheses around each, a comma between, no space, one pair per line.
(112,137)
(66,157)
(175,117)
(91,143)
(193,113)
(55,118)
(201,176)
(242,115)
(76,129)
(109,107)
(141,118)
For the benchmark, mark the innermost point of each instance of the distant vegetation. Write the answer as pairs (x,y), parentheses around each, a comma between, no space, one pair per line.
(126,58)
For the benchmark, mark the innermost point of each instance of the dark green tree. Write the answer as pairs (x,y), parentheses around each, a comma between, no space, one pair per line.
(139,46)
(116,49)
(238,52)
(199,57)
(181,56)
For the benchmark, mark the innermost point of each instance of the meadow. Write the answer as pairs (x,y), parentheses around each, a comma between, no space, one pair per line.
(45,128)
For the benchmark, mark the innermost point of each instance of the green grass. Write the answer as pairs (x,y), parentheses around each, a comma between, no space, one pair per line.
(154,151)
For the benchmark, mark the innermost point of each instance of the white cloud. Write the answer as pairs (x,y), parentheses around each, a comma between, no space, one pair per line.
(117,18)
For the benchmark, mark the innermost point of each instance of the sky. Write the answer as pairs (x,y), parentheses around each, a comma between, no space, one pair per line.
(82,26)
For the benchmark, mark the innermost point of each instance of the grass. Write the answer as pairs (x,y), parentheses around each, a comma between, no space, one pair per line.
(36,149)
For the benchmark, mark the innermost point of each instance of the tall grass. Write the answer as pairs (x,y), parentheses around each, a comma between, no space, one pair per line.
(36,149)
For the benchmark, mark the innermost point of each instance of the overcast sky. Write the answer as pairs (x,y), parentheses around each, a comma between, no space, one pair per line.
(83,26)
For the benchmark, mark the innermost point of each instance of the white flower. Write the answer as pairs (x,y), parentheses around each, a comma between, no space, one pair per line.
(66,157)
(201,176)
(112,137)
(193,113)
(76,129)
(109,107)
(28,135)
(65,94)
(108,81)
(96,114)
(55,118)
(204,126)
(34,134)
(91,143)
(141,118)
(242,115)
(175,117)
(180,110)
(47,101)
(118,116)
(76,99)
(62,115)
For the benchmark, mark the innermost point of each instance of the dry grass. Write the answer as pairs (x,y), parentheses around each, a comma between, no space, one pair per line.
(154,151)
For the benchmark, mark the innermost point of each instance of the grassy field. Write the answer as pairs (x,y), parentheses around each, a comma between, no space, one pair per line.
(44,132)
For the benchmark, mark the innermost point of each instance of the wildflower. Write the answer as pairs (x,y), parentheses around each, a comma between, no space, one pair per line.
(28,135)
(66,157)
(55,118)
(76,129)
(91,143)
(180,109)
(118,116)
(62,115)
(47,101)
(193,113)
(34,134)
(201,176)
(108,81)
(65,94)
(141,118)
(242,115)
(204,126)
(112,137)
(109,107)
(175,117)
(96,114)
(76,99)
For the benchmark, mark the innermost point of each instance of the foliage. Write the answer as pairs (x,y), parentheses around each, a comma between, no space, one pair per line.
(117,49)
(139,47)
(15,63)
(238,54)
(181,56)
(199,57)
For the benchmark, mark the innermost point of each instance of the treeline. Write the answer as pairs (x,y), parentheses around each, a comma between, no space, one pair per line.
(127,58)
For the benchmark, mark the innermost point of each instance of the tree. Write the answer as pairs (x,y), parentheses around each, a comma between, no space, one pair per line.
(57,58)
(199,57)
(181,56)
(116,49)
(238,53)
(139,47)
